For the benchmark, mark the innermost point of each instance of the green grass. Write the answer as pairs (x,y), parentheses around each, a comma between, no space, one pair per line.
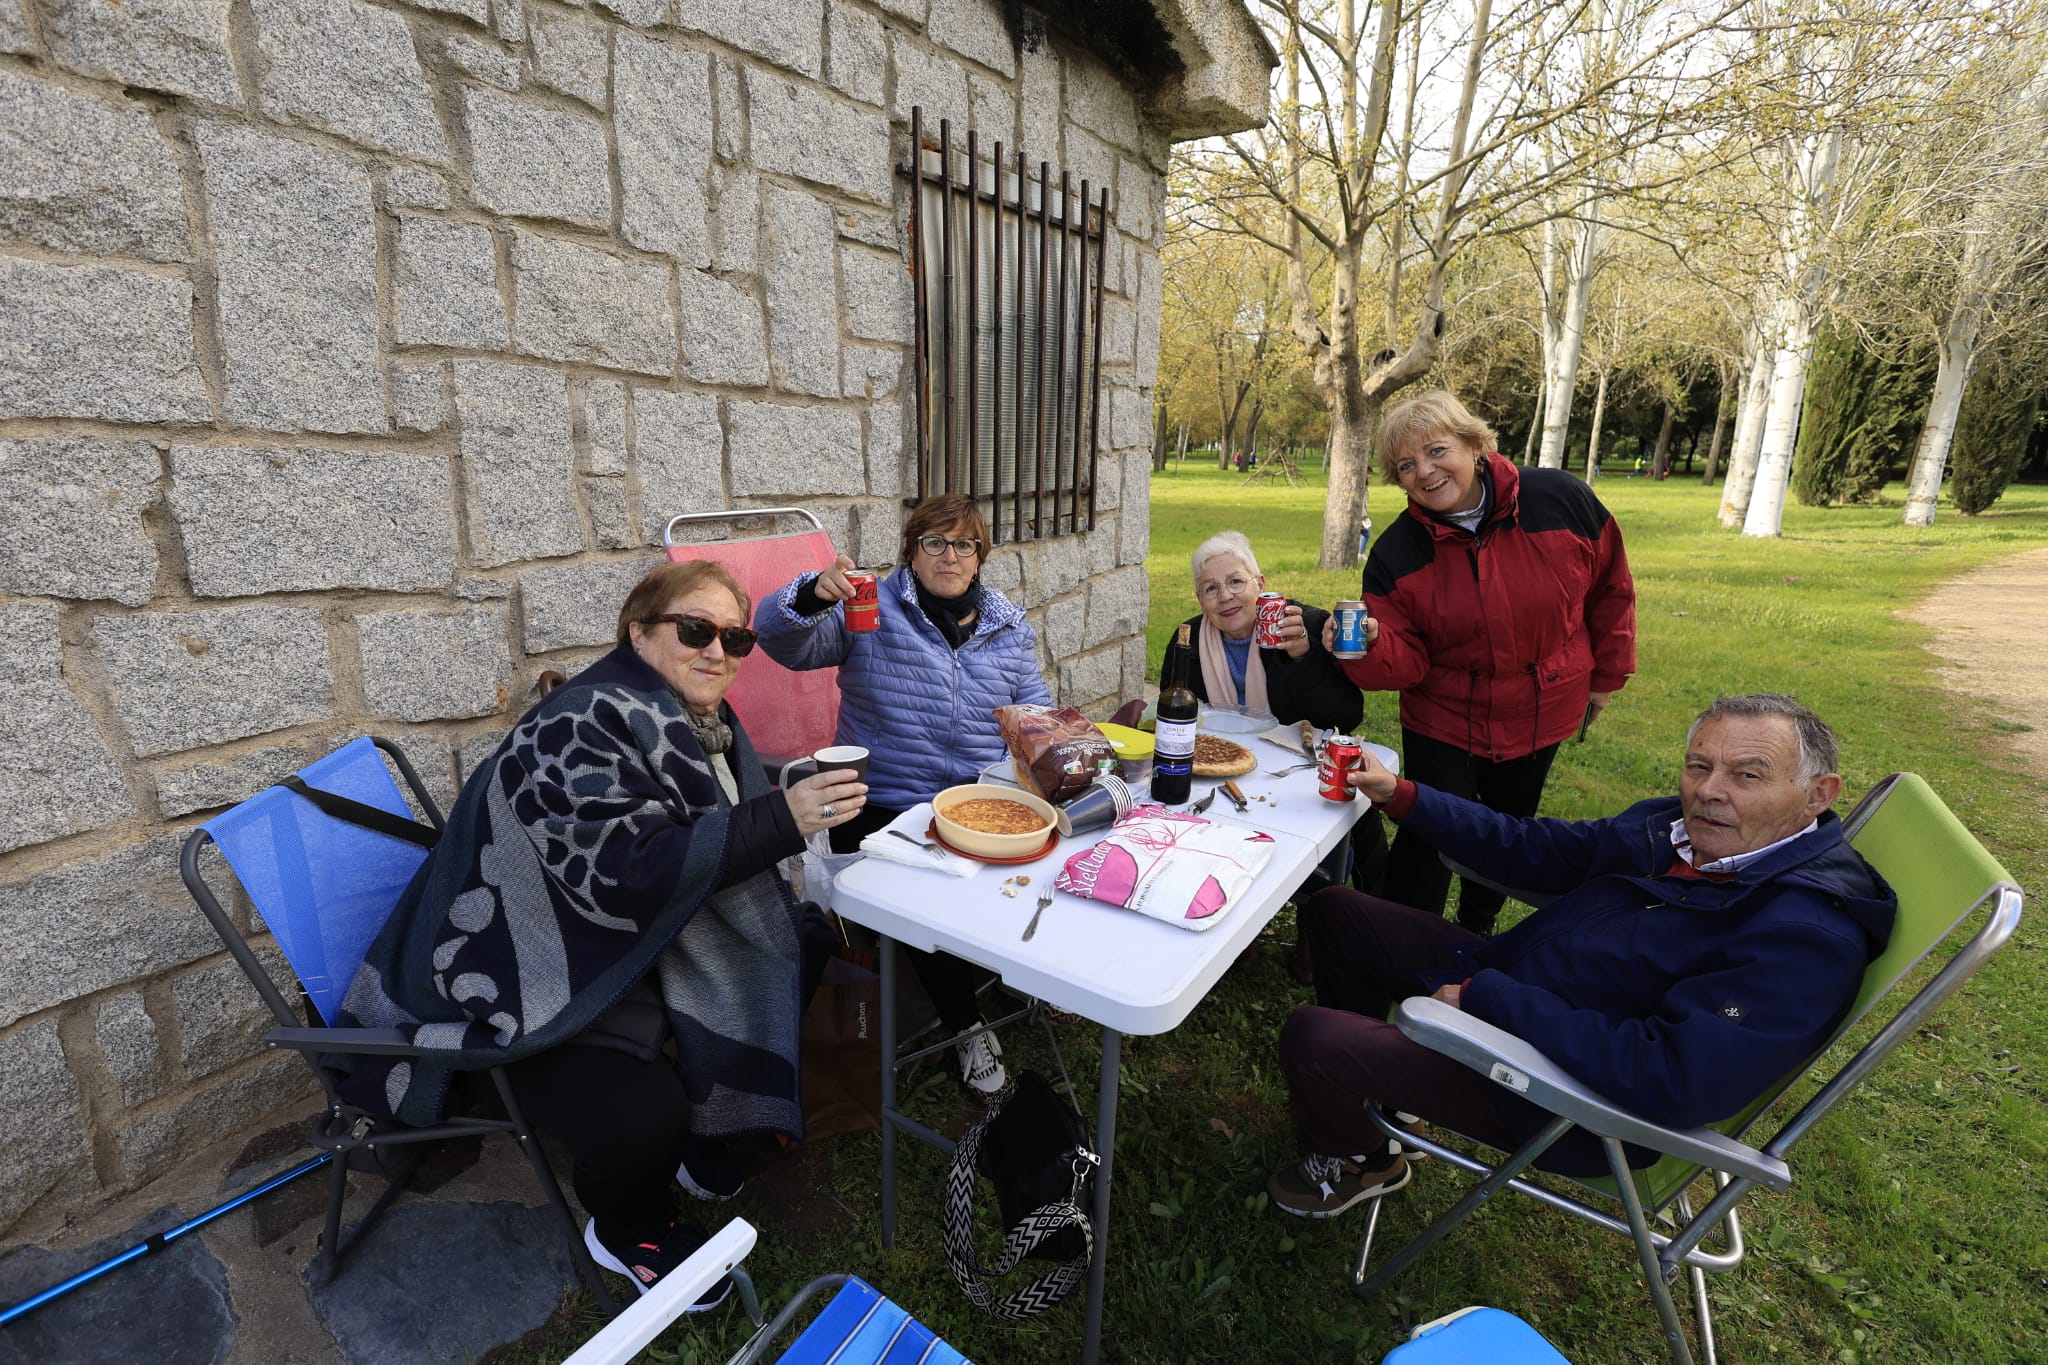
(1917,1229)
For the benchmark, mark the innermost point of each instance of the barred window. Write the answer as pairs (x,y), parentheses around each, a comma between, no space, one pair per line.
(1008,266)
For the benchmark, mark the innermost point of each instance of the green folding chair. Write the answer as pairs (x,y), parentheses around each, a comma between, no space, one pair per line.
(1943,878)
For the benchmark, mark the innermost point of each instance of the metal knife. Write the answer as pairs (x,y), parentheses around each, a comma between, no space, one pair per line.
(1231,790)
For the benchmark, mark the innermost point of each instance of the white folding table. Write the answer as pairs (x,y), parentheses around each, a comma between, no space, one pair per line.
(1121,970)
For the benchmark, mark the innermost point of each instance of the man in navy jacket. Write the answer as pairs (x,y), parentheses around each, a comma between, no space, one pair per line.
(1700,947)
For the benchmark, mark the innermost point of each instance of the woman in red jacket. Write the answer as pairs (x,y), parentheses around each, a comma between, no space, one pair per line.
(1504,615)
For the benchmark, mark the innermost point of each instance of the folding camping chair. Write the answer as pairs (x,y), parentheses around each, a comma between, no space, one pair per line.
(859,1326)
(324,885)
(787,714)
(1943,878)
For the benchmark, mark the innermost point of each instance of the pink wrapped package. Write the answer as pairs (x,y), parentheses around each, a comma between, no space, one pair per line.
(1170,865)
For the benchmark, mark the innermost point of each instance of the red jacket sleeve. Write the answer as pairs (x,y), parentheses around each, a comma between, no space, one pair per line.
(1611,612)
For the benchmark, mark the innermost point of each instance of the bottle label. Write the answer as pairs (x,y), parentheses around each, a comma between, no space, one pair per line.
(1173,750)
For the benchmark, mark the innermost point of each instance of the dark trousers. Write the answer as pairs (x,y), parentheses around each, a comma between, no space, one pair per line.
(1415,875)
(1341,1052)
(626,1122)
(949,982)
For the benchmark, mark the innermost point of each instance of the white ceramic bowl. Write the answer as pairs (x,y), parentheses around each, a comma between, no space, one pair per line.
(979,841)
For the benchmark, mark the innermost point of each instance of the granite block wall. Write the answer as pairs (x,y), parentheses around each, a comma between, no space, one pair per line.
(352,355)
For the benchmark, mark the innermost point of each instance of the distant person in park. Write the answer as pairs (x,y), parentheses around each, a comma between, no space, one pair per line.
(1364,535)
(603,917)
(1502,612)
(1700,946)
(919,694)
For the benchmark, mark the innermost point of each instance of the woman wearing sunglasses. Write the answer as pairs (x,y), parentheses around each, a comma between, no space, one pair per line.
(919,695)
(602,916)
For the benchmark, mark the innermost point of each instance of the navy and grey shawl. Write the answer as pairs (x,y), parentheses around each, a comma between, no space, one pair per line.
(581,854)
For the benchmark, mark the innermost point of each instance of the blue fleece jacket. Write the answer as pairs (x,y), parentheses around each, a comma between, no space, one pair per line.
(1679,996)
(922,709)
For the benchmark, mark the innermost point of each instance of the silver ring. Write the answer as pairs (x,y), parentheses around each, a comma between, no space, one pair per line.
(828,812)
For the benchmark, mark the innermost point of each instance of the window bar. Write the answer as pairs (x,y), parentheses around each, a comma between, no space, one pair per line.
(946,298)
(1044,264)
(1095,379)
(1059,364)
(995,388)
(973,315)
(1017,436)
(917,256)
(1080,347)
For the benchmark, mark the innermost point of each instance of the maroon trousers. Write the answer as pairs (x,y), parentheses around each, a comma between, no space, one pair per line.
(1340,1052)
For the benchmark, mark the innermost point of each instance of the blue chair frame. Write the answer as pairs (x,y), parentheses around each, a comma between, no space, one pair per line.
(275,822)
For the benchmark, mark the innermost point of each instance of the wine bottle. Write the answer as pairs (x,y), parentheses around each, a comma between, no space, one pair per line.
(1173,755)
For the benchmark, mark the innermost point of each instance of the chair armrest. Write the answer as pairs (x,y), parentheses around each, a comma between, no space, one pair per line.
(644,1320)
(365,1042)
(1510,1062)
(1539,899)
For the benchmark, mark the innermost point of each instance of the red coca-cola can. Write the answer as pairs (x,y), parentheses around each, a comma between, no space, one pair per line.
(864,608)
(1340,759)
(1272,609)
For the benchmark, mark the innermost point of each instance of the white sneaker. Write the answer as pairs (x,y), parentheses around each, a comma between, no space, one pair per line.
(981,1062)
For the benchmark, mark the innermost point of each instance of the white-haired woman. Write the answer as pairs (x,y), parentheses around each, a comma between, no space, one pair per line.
(1298,681)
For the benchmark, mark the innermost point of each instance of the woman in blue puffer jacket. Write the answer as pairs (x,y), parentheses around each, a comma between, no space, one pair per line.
(919,694)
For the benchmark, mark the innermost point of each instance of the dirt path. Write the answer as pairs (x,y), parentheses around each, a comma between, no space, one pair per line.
(1991,632)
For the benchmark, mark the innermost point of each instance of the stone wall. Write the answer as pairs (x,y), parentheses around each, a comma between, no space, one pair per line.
(351,354)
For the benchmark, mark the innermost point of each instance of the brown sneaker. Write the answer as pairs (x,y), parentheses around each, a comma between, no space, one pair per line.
(1324,1186)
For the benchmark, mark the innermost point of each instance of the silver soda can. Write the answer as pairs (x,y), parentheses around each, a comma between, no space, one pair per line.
(1350,639)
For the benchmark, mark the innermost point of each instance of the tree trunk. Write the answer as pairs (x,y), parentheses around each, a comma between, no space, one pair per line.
(1352,419)
(1721,406)
(1251,429)
(1593,436)
(1951,377)
(1766,513)
(1535,425)
(1749,431)
(1159,442)
(1660,463)
(1564,372)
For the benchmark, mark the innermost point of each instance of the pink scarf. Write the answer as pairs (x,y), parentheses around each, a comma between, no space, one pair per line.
(1216,680)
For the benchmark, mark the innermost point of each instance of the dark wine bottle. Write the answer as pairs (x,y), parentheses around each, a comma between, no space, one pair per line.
(1173,753)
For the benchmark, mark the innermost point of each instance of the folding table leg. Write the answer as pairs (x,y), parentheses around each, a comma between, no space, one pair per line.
(886,947)
(1105,1147)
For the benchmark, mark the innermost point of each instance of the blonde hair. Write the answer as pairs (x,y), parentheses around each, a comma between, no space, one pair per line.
(1231,543)
(1435,413)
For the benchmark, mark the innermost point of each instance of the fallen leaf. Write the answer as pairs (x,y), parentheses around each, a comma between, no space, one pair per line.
(1220,1126)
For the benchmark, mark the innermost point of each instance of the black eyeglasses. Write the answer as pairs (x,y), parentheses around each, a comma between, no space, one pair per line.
(694,632)
(938,545)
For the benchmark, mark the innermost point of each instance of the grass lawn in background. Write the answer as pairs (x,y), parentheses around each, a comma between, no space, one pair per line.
(1917,1229)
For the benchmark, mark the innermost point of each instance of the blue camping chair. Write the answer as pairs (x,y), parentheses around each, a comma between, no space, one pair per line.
(859,1326)
(324,884)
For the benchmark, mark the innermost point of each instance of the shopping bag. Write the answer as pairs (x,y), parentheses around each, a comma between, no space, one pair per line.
(842,1049)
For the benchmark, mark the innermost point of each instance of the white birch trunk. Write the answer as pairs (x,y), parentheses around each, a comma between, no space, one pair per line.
(1749,433)
(1951,377)
(1562,375)
(1766,513)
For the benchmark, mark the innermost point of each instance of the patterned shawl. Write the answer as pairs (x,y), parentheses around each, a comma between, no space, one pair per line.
(583,852)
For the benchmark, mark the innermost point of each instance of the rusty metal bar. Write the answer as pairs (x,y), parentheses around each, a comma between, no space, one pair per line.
(918,263)
(1080,347)
(1044,269)
(946,298)
(995,464)
(973,317)
(1095,380)
(1059,364)
(1017,437)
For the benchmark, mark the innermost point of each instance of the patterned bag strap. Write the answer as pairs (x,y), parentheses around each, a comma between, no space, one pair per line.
(1030,1230)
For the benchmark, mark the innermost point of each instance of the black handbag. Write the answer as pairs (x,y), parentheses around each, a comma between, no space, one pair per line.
(1035,1152)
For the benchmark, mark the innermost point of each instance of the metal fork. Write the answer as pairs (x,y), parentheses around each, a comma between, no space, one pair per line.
(1283,772)
(1044,899)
